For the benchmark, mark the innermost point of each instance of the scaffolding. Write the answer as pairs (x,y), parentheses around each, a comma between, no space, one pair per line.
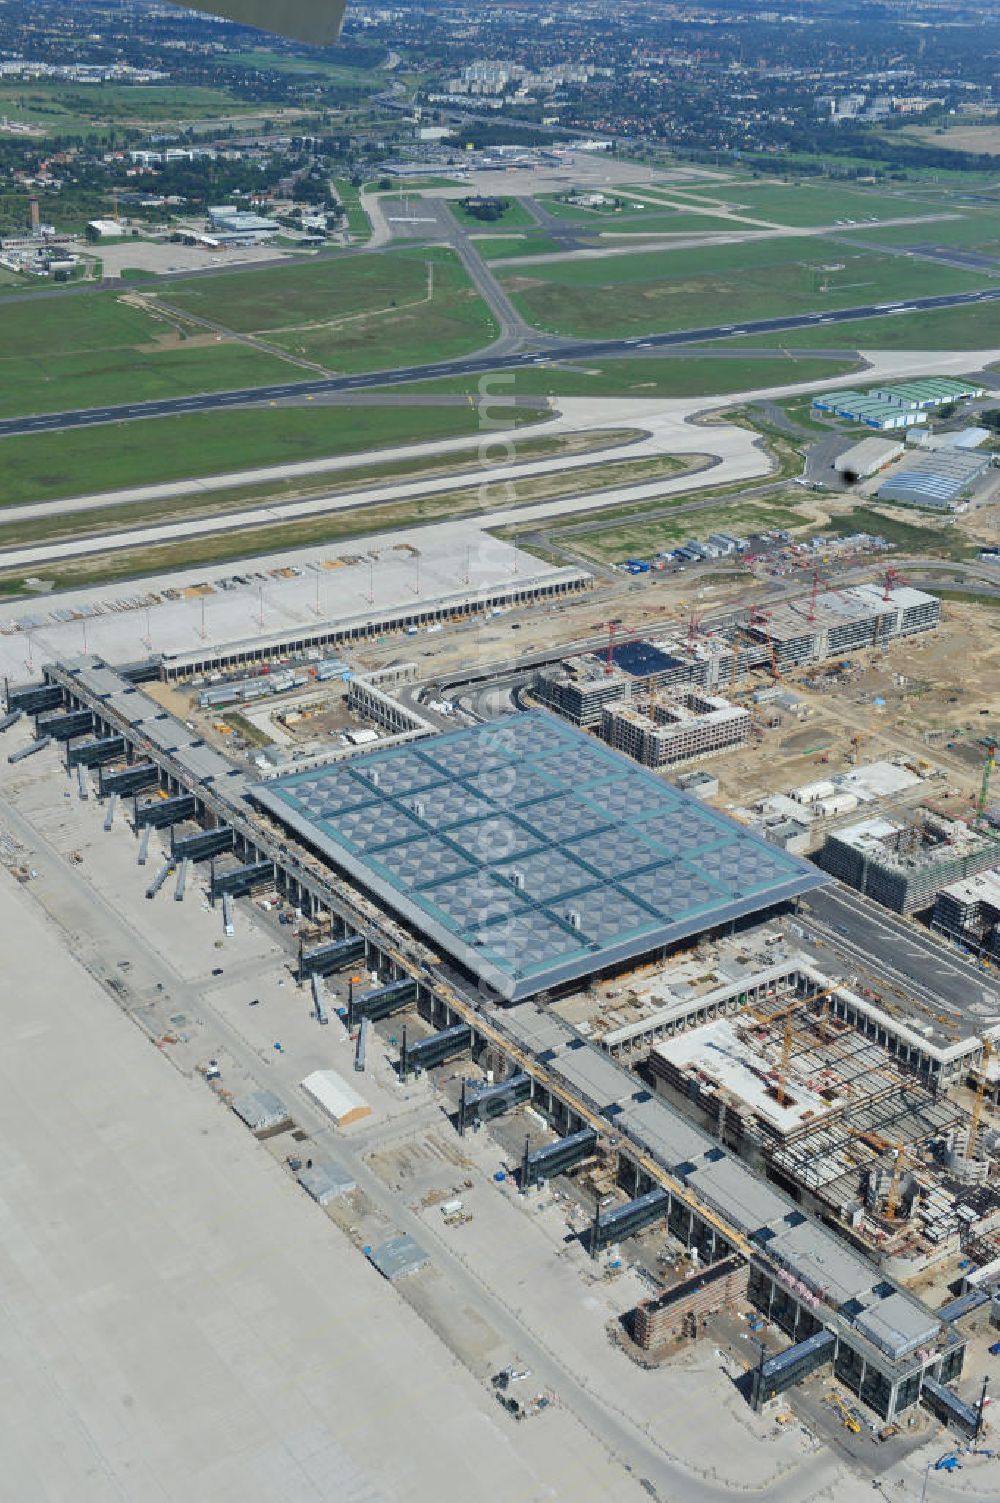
(904,865)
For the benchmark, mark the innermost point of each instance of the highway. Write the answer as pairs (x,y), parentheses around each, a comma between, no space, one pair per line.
(504,364)
(889,945)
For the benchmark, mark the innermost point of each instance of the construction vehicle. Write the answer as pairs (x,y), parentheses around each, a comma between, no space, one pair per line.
(846,1417)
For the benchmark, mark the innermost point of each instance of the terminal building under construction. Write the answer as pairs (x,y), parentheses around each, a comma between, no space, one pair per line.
(719,655)
(483,875)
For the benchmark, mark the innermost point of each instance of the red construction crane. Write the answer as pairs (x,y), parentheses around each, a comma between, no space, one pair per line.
(610,627)
(892,578)
(811,612)
(694,624)
(609,666)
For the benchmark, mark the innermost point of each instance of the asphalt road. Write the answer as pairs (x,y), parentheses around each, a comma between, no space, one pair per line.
(561,349)
(889,945)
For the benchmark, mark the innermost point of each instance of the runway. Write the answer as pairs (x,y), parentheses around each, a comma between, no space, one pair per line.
(545,351)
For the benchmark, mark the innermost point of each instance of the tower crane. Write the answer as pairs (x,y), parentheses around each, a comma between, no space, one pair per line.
(880,1144)
(786,1013)
(611,627)
(890,580)
(977,1105)
(984,786)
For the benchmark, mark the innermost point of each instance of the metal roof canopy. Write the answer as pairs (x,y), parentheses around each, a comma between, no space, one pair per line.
(397,1257)
(531,853)
(325,1181)
(260,1110)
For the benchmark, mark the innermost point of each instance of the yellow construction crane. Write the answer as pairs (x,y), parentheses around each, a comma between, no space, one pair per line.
(786,1012)
(977,1105)
(895,1184)
(847,1418)
(880,1144)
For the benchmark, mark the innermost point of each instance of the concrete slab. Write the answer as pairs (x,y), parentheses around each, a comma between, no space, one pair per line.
(297,590)
(179,1320)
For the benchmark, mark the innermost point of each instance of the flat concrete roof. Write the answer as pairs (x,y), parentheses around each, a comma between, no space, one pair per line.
(717,1050)
(533,854)
(365,577)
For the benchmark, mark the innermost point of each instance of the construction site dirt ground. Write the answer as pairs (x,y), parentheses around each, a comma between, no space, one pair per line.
(909,702)
(933,687)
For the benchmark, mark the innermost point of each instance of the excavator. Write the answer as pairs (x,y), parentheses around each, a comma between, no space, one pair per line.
(315,21)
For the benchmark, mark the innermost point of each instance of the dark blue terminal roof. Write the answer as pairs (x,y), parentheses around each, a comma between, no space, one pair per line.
(529,852)
(640,659)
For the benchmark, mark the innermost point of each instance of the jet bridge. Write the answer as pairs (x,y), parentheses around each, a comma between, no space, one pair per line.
(95,753)
(334,956)
(163,812)
(556,1158)
(431,1051)
(126,780)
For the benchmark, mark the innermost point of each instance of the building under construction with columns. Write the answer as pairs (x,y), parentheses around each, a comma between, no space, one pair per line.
(904,863)
(835,623)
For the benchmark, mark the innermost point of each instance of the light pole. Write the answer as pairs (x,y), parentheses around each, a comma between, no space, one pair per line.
(927,1472)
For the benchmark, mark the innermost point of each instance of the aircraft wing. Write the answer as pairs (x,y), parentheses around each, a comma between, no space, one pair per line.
(315,21)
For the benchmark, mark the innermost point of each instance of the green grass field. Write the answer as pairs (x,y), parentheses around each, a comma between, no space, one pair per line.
(59,353)
(506,247)
(72,325)
(639,538)
(803,205)
(353,314)
(664,290)
(357,220)
(941,542)
(290,296)
(77,462)
(514,216)
(314,66)
(681,377)
(69,109)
